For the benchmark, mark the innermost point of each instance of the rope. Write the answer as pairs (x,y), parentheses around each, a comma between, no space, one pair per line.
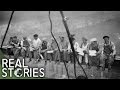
(72,47)
(56,42)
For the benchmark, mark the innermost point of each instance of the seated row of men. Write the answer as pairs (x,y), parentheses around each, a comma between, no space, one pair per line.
(94,54)
(91,53)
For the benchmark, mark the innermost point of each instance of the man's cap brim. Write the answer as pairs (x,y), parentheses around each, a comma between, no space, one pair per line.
(106,37)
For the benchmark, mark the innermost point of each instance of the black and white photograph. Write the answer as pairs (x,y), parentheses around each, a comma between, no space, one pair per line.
(59,44)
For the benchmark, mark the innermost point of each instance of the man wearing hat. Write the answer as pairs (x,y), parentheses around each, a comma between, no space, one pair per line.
(44,48)
(16,47)
(94,53)
(25,47)
(76,47)
(50,51)
(54,48)
(84,48)
(10,47)
(36,45)
(63,47)
(108,53)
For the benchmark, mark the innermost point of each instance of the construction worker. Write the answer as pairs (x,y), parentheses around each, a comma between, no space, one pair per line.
(25,51)
(56,53)
(10,47)
(63,47)
(16,47)
(36,45)
(94,53)
(44,48)
(76,47)
(108,53)
(84,48)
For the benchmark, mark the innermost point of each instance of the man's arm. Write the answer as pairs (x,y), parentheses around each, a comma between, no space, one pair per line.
(60,45)
(114,49)
(17,45)
(66,47)
(87,49)
(21,43)
(39,44)
(102,48)
(69,48)
(76,46)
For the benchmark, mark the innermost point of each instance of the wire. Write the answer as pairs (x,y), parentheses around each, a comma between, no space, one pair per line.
(72,47)
(57,42)
(70,40)
(7,28)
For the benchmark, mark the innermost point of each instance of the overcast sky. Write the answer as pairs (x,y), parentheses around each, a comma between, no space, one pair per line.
(30,15)
(20,16)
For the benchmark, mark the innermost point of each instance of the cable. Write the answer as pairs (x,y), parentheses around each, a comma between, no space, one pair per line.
(7,28)
(56,42)
(70,40)
(72,47)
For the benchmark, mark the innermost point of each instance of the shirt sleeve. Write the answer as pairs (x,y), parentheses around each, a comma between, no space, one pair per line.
(102,49)
(66,45)
(99,48)
(113,47)
(89,45)
(21,43)
(39,43)
(69,47)
(48,46)
(60,45)
(87,49)
(76,46)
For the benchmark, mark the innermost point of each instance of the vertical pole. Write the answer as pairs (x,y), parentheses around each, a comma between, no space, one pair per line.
(72,47)
(70,40)
(7,28)
(57,43)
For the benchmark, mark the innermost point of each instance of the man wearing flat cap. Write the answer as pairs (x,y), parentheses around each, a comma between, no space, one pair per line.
(76,47)
(25,47)
(36,44)
(108,53)
(56,54)
(44,48)
(16,47)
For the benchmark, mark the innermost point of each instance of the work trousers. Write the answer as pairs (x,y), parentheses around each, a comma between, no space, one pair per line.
(16,52)
(56,55)
(107,61)
(85,58)
(25,53)
(94,60)
(64,55)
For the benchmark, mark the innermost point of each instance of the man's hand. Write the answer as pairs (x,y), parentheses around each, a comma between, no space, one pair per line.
(63,50)
(85,52)
(114,55)
(111,54)
(69,50)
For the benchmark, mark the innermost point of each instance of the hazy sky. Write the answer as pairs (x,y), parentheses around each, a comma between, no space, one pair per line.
(111,27)
(108,27)
(29,15)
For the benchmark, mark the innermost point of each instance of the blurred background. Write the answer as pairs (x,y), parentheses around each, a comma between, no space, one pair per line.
(89,24)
